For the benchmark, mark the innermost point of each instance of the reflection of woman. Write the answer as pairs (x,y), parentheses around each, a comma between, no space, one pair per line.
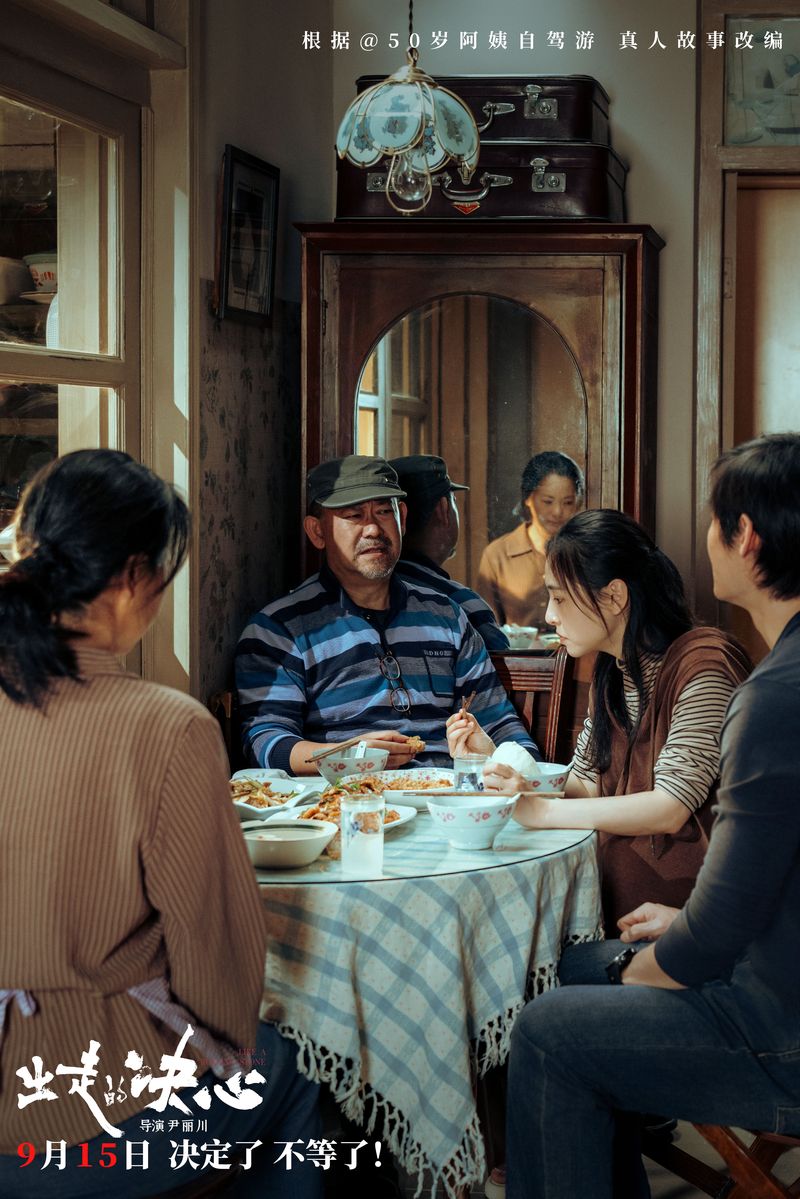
(130,909)
(647,759)
(511,574)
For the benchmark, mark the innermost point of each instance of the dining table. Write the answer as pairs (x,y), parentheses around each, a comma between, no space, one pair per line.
(402,991)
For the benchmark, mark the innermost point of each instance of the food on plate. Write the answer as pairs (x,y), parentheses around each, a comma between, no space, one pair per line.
(415,743)
(399,781)
(258,793)
(329,807)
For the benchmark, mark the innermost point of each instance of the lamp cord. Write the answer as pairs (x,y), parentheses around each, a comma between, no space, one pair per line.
(410,21)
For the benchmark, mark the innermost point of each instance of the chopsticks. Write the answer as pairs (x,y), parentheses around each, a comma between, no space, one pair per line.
(466,704)
(334,749)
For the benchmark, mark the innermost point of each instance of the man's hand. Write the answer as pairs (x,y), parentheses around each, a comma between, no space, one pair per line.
(647,922)
(396,745)
(465,735)
(644,971)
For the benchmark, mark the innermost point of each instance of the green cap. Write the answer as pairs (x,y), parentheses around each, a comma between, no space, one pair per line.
(424,477)
(352,480)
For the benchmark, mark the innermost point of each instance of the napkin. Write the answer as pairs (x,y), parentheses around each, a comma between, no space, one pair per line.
(513,755)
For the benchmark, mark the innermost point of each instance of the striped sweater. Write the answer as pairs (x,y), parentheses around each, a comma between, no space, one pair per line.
(419,569)
(307,668)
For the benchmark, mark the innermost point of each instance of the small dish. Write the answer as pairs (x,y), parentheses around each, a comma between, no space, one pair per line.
(277,844)
(295,790)
(38,297)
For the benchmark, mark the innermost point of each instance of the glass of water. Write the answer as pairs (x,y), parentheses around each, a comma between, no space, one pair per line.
(468,772)
(362,835)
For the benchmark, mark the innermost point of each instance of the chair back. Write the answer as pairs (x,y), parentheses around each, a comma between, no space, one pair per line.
(224,705)
(536,685)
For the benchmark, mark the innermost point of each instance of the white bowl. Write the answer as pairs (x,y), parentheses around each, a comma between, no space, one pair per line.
(472,820)
(276,844)
(554,777)
(521,636)
(336,766)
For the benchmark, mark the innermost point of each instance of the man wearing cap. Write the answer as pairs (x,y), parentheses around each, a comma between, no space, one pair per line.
(431,537)
(358,650)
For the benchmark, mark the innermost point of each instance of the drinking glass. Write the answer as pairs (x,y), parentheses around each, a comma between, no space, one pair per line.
(468,772)
(362,835)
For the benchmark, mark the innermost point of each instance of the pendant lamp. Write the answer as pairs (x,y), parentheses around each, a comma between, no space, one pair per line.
(414,122)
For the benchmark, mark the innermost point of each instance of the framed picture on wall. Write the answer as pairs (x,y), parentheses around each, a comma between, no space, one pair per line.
(247,234)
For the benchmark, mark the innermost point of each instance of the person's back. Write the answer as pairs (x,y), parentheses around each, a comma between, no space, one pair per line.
(108,791)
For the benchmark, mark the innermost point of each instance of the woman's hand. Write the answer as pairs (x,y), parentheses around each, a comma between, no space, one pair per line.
(497,777)
(465,736)
(647,922)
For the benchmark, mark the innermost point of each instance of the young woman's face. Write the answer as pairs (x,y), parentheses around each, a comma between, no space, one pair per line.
(583,630)
(552,503)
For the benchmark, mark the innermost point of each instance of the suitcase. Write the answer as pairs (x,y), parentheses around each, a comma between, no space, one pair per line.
(534,179)
(547,108)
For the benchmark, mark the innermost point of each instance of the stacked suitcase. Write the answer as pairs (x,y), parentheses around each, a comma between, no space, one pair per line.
(545,153)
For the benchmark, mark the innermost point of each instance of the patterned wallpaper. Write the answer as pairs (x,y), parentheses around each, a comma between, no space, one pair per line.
(249,513)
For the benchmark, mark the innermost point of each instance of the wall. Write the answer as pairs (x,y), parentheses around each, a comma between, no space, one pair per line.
(265,95)
(652,115)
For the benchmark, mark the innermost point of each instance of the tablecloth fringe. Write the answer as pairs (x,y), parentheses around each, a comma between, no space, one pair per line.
(363,1106)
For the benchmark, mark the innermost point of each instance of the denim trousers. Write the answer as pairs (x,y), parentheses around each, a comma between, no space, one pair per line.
(588,1055)
(289,1111)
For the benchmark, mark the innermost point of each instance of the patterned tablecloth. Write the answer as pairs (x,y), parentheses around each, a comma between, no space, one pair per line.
(398,991)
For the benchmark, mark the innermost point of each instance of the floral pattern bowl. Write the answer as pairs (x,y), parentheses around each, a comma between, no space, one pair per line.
(335,766)
(472,820)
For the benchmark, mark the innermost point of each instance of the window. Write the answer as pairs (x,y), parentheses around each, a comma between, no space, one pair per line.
(69,272)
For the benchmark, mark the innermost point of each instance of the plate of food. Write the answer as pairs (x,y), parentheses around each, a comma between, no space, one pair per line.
(412,787)
(256,793)
(328,807)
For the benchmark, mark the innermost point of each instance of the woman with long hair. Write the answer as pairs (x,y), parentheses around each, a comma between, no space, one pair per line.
(647,760)
(511,571)
(130,909)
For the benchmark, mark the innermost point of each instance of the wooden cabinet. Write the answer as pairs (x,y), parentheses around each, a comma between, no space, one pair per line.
(589,294)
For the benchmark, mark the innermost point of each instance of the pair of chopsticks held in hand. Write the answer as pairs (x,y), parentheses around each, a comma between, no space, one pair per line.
(332,749)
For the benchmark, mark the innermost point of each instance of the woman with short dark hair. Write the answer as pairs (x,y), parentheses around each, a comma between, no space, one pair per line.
(511,572)
(130,908)
(647,760)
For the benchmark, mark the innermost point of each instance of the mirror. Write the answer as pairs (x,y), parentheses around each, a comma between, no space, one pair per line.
(484,382)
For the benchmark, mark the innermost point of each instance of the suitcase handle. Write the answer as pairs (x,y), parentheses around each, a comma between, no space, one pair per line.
(493,110)
(486,181)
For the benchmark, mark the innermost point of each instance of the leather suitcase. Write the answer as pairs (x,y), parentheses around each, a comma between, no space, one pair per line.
(533,179)
(552,108)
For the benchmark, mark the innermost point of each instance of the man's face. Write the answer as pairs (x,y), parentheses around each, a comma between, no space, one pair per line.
(363,540)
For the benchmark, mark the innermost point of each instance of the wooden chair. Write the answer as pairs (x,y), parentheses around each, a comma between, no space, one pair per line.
(223,705)
(749,1166)
(527,677)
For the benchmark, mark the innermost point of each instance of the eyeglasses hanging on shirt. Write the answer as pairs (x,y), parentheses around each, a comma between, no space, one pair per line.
(398,695)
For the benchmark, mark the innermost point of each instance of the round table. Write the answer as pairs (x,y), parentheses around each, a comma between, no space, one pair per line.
(401,991)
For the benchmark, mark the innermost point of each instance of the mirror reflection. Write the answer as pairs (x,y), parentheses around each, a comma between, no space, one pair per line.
(487,384)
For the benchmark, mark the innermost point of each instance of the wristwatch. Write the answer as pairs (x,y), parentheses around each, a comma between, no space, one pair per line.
(617,965)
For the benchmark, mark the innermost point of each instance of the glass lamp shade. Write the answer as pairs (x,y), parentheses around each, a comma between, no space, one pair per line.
(418,125)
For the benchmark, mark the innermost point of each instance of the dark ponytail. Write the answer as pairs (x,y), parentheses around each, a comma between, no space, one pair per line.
(81,522)
(590,550)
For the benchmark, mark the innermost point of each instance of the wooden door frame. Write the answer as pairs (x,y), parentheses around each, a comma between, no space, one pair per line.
(719,167)
(637,247)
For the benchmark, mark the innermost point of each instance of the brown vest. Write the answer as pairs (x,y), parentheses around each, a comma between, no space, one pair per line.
(661,867)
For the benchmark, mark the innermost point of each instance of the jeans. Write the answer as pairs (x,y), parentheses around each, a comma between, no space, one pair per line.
(288,1112)
(586,1056)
